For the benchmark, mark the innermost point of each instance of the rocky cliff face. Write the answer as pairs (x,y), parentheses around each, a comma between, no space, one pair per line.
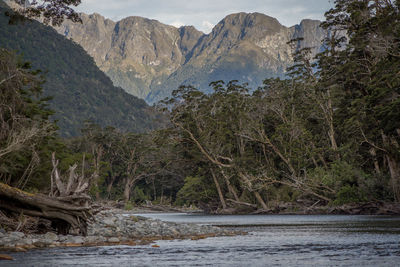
(150,59)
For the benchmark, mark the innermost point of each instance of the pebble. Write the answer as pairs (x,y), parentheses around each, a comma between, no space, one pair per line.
(110,226)
(114,240)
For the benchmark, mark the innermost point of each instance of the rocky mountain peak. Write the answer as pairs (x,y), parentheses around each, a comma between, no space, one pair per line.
(189,38)
(250,21)
(312,34)
(240,26)
(149,59)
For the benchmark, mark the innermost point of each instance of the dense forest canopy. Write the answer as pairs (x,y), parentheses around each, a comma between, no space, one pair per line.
(329,133)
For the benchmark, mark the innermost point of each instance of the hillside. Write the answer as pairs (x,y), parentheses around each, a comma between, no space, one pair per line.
(79,89)
(150,59)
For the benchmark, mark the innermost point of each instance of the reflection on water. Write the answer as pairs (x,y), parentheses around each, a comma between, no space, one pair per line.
(272,240)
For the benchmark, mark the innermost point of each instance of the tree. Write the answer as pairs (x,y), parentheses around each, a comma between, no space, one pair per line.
(24,120)
(368,79)
(51,11)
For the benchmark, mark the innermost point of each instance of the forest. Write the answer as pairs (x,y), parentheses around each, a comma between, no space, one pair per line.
(328,134)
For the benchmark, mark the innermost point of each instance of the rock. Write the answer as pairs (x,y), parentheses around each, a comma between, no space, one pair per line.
(41,244)
(24,242)
(16,235)
(51,236)
(62,238)
(94,239)
(114,240)
(109,221)
(111,227)
(75,240)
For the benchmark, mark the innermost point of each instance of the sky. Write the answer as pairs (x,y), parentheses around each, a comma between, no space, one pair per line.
(204,14)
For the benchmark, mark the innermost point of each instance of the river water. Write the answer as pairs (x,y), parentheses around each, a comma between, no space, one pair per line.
(272,240)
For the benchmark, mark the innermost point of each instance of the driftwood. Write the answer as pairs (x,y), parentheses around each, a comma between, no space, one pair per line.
(67,206)
(240,203)
(76,186)
(63,215)
(369,208)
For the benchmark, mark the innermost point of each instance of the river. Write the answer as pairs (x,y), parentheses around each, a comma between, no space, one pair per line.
(272,240)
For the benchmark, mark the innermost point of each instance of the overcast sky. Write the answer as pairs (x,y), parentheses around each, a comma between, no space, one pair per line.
(204,14)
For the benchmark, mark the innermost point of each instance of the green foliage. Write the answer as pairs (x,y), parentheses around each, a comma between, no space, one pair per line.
(338,174)
(282,193)
(26,133)
(138,195)
(195,190)
(349,194)
(50,11)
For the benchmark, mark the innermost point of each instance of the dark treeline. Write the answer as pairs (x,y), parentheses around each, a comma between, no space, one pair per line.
(327,134)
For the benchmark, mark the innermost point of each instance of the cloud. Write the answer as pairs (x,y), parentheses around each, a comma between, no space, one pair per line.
(177,24)
(207,26)
(202,14)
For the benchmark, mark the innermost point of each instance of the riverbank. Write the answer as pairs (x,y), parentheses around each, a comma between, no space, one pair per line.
(281,240)
(112,227)
(295,208)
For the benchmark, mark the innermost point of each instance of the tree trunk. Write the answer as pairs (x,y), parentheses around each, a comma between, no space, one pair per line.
(394,165)
(221,196)
(260,200)
(372,151)
(230,187)
(256,194)
(394,169)
(109,186)
(61,211)
(127,190)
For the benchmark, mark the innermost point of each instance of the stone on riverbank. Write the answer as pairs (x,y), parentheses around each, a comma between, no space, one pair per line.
(110,228)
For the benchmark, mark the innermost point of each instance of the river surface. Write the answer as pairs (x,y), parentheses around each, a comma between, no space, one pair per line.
(272,240)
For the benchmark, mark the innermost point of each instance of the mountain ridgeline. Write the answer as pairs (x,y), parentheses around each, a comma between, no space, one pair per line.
(79,89)
(150,59)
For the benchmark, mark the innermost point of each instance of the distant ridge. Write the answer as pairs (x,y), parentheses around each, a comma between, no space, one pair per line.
(150,59)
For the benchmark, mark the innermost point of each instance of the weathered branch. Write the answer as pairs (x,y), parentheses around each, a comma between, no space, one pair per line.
(202,150)
(61,212)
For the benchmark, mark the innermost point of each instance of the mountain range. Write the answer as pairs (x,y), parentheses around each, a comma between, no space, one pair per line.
(80,91)
(149,59)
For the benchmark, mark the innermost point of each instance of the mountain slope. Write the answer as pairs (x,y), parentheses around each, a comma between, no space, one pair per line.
(244,47)
(134,52)
(80,90)
(150,59)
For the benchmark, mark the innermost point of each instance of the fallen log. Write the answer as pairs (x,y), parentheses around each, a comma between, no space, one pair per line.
(62,212)
(240,203)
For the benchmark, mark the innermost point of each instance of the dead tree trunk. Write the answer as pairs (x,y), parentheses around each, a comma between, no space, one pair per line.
(221,196)
(250,188)
(72,186)
(60,211)
(68,204)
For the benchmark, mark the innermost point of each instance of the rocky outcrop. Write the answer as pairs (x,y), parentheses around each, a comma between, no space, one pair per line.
(135,52)
(150,59)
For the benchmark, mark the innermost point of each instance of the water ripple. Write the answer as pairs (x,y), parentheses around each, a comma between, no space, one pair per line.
(299,241)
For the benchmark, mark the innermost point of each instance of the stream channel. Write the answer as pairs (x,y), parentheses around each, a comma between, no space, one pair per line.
(272,240)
